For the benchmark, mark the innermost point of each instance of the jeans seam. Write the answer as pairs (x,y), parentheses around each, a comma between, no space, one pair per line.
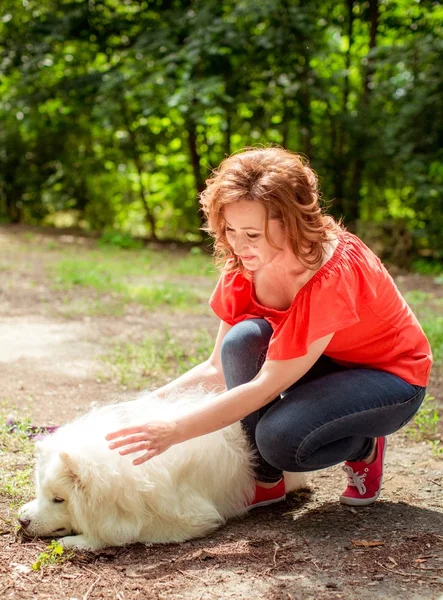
(303,444)
(260,359)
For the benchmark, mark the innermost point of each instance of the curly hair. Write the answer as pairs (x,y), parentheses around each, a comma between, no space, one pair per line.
(287,187)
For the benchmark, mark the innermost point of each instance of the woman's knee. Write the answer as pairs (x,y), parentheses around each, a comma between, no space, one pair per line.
(245,345)
(278,443)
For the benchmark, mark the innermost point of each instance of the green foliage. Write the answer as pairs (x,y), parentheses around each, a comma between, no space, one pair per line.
(428,267)
(117,112)
(54,555)
(120,240)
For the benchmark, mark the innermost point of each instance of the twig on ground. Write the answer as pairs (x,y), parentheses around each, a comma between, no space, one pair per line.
(312,560)
(35,545)
(192,576)
(397,571)
(89,571)
(274,560)
(85,597)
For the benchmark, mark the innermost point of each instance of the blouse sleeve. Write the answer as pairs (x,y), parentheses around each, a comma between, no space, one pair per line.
(230,297)
(327,304)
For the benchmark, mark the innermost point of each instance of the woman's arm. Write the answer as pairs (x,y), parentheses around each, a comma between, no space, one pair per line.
(229,407)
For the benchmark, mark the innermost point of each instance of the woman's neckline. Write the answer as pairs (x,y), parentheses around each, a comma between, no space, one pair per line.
(326,267)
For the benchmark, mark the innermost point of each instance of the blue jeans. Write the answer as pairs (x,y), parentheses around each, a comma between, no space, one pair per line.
(331,415)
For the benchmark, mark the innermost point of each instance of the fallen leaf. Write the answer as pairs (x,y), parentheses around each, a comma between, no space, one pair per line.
(367,543)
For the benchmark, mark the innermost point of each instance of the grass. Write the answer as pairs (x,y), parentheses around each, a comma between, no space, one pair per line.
(429,310)
(161,357)
(15,441)
(152,280)
(104,280)
(104,306)
(5,267)
(433,327)
(425,424)
(16,482)
(428,307)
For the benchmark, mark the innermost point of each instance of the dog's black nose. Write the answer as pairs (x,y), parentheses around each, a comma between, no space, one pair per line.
(24,522)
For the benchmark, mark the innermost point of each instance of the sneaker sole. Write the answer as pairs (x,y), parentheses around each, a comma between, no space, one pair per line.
(359,501)
(365,501)
(266,502)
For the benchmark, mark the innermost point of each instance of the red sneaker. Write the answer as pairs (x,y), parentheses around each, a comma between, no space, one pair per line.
(265,496)
(364,481)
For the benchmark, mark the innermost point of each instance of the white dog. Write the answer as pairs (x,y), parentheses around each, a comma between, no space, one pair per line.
(186,492)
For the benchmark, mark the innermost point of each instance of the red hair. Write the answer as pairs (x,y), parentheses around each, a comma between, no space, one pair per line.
(287,187)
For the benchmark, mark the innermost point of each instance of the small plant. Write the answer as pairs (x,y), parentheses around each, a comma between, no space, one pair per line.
(437,448)
(54,554)
(425,423)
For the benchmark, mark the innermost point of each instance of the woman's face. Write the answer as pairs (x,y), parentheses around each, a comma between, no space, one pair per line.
(245,231)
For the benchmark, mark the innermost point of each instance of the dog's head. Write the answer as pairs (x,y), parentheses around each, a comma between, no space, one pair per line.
(57,480)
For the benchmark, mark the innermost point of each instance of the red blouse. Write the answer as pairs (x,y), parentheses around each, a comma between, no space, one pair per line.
(353,296)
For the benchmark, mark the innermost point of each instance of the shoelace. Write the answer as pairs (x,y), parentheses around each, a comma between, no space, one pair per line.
(355,479)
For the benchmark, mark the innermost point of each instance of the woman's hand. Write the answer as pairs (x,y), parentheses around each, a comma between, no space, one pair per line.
(154,438)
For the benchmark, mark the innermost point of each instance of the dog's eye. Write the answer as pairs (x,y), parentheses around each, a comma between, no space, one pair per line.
(58,500)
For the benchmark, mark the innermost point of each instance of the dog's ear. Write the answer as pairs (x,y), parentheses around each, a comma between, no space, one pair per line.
(69,465)
(74,471)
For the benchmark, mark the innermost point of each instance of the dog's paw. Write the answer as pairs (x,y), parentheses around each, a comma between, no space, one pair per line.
(78,542)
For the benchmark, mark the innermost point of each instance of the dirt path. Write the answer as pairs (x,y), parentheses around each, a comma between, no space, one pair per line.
(309,547)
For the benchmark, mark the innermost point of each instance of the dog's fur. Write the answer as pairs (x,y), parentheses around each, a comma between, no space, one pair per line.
(82,487)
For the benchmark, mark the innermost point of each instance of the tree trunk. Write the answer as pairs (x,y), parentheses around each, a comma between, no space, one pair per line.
(139,166)
(350,7)
(286,113)
(353,210)
(196,162)
(373,14)
(13,207)
(305,117)
(340,134)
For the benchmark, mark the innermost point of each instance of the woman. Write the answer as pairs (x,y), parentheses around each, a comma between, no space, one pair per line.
(320,355)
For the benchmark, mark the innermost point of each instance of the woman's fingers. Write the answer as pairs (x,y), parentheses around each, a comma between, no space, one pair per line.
(153,438)
(135,448)
(123,432)
(130,439)
(142,459)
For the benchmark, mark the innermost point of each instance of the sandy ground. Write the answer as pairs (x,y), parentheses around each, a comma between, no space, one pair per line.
(308,547)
